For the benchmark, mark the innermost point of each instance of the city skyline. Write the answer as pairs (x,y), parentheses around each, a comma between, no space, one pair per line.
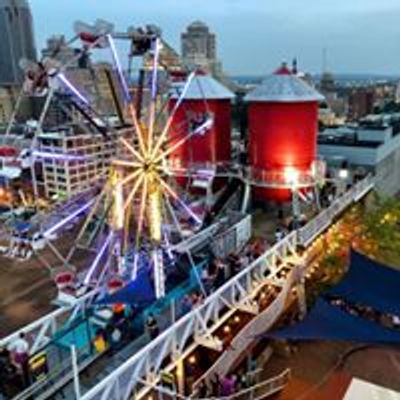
(360,35)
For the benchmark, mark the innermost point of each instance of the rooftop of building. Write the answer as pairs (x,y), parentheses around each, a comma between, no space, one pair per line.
(366,133)
(198,25)
(347,141)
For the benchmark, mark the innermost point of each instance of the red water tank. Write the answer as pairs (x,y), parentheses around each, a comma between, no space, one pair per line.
(204,99)
(283,126)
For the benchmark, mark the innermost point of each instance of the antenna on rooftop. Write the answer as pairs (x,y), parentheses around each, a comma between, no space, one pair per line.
(324,59)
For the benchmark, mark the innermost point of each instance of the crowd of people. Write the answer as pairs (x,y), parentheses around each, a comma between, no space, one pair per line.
(19,247)
(220,270)
(228,385)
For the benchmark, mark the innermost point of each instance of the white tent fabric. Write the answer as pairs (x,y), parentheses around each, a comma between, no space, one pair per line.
(362,390)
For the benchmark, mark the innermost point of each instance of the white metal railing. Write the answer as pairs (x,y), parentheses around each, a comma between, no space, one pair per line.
(249,333)
(257,176)
(195,328)
(197,239)
(259,391)
(233,239)
(41,331)
(316,226)
(200,323)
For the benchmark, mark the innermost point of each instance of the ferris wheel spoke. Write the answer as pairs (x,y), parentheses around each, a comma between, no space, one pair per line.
(134,191)
(204,126)
(139,227)
(132,149)
(127,95)
(174,217)
(129,164)
(165,131)
(142,211)
(131,177)
(182,204)
(88,220)
(154,83)
(132,112)
(118,66)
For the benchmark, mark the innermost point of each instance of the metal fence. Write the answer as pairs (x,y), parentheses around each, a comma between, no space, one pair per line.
(315,227)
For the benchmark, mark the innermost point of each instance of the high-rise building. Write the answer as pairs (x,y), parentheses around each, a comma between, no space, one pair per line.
(327,83)
(199,48)
(16,40)
(361,102)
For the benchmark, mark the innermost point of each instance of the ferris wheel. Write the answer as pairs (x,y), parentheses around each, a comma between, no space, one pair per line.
(141,211)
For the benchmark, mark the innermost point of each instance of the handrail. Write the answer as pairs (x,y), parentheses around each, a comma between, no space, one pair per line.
(249,333)
(317,225)
(272,385)
(48,324)
(195,324)
(254,175)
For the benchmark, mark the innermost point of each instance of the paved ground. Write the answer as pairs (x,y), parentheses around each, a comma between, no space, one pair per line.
(26,291)
(27,288)
(317,376)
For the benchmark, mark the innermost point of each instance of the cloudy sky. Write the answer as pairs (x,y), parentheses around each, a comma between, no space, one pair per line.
(361,36)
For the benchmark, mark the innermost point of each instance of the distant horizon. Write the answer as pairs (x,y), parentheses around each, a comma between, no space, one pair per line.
(253,38)
(339,75)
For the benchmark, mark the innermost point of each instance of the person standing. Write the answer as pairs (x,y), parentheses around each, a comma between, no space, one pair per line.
(19,350)
(186,305)
(215,386)
(228,385)
(202,390)
(5,372)
(152,326)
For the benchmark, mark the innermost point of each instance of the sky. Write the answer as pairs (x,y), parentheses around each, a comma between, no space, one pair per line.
(254,36)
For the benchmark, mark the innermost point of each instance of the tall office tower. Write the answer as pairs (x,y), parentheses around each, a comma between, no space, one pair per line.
(199,48)
(16,40)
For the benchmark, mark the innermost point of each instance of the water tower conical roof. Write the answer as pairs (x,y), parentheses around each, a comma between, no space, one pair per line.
(284,87)
(202,87)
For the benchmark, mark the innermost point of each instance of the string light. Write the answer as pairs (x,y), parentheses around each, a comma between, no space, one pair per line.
(192,359)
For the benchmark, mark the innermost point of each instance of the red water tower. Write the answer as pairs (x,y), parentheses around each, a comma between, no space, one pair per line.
(204,98)
(283,126)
